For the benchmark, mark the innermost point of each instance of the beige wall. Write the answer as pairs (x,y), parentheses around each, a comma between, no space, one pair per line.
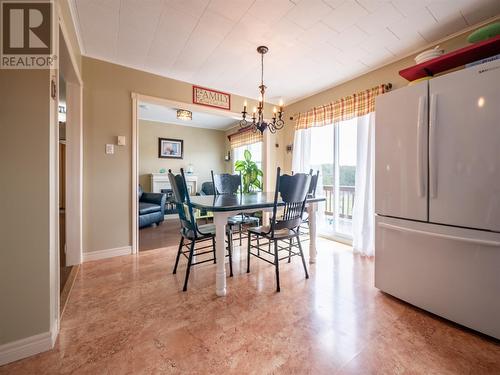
(24,202)
(386,74)
(28,224)
(204,148)
(107,107)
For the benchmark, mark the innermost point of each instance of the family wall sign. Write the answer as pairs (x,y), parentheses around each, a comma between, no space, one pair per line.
(211,98)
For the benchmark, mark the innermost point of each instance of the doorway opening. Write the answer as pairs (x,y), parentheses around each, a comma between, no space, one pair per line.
(164,141)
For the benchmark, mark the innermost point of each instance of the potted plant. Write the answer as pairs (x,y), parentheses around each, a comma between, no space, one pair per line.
(250,173)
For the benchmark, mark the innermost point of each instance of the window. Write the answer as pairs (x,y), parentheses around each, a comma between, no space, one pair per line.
(334,154)
(254,148)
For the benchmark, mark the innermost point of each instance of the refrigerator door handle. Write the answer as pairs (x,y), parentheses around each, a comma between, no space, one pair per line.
(440,235)
(432,147)
(422,110)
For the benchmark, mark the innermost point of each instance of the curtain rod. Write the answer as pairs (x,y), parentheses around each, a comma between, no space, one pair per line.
(239,131)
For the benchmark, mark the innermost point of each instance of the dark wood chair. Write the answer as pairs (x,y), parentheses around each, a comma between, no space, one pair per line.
(226,183)
(191,232)
(293,191)
(304,228)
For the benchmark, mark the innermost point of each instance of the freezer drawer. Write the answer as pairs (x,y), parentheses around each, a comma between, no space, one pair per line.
(451,272)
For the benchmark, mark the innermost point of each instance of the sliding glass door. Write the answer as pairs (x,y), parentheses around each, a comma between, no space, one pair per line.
(333,152)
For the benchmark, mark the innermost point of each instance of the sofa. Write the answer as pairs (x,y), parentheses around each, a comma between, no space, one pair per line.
(151,208)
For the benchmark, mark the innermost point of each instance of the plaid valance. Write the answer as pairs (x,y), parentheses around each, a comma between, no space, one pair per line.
(348,107)
(244,137)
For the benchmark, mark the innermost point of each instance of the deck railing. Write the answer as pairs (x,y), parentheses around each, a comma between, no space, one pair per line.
(346,200)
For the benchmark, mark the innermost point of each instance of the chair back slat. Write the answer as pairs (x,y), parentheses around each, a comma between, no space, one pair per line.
(293,191)
(314,183)
(226,183)
(294,188)
(181,200)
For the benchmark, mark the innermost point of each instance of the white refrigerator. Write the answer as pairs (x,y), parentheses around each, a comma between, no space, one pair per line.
(437,196)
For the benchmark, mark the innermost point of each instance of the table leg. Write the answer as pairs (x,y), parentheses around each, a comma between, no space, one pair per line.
(220,220)
(312,208)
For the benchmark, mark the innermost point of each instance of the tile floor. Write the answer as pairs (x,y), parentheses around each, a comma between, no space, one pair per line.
(127,315)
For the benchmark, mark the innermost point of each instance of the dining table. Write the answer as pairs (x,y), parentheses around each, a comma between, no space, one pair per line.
(224,206)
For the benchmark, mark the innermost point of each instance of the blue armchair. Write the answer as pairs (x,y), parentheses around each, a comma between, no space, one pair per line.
(151,208)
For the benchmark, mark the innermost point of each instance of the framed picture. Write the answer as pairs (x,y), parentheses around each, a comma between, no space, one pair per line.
(170,148)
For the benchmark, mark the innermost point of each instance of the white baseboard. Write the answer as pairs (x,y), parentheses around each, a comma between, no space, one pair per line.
(107,253)
(26,347)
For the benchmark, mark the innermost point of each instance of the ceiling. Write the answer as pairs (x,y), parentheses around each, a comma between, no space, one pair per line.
(314,44)
(161,113)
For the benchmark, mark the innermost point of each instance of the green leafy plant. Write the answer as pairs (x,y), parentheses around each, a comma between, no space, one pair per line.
(250,172)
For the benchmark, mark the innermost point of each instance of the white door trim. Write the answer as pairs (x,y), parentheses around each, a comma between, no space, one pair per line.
(74,174)
(135,177)
(74,150)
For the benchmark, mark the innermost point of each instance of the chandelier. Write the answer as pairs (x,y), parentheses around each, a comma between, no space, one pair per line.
(257,119)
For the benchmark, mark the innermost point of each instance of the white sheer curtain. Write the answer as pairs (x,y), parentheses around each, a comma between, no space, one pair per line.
(314,147)
(301,157)
(363,215)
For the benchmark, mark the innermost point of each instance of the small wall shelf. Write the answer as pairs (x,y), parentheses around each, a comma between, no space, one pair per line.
(466,55)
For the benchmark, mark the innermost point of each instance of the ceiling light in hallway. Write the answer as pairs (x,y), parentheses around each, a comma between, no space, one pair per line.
(184,114)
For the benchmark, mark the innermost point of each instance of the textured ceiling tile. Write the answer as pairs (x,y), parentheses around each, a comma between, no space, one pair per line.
(373,5)
(335,3)
(349,38)
(475,12)
(307,13)
(344,16)
(408,7)
(251,30)
(378,20)
(447,25)
(197,50)
(192,7)
(232,10)
(409,43)
(382,56)
(99,27)
(214,23)
(379,41)
(317,34)
(285,31)
(269,11)
(412,24)
(313,43)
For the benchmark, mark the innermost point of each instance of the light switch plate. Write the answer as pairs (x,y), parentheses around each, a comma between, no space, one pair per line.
(121,140)
(110,149)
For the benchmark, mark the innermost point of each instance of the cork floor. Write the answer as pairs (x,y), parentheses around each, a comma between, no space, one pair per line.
(127,315)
